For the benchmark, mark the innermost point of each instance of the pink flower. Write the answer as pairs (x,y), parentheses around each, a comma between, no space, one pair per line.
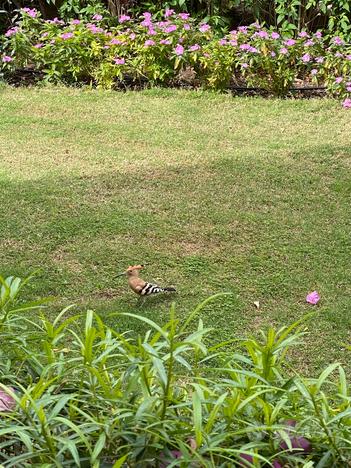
(165,41)
(314,72)
(76,21)
(204,28)
(245,65)
(306,58)
(38,46)
(242,29)
(309,43)
(7,58)
(223,42)
(97,17)
(184,16)
(348,57)
(347,104)
(179,50)
(245,46)
(115,42)
(194,48)
(119,61)
(320,59)
(67,35)
(313,298)
(151,32)
(348,89)
(186,26)
(273,54)
(275,35)
(45,34)
(283,51)
(147,23)
(132,36)
(170,28)
(11,32)
(233,42)
(94,29)
(318,35)
(253,50)
(169,12)
(31,12)
(338,80)
(123,18)
(290,42)
(55,21)
(263,34)
(338,41)
(338,54)
(7,402)
(303,34)
(149,42)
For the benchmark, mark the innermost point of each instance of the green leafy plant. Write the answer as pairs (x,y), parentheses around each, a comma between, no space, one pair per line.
(87,393)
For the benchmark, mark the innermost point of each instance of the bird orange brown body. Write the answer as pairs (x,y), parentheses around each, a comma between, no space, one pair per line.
(141,287)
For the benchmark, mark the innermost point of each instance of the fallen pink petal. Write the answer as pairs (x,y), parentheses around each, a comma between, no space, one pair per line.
(313,298)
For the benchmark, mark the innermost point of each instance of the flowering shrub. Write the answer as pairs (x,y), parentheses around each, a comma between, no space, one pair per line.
(157,52)
(77,392)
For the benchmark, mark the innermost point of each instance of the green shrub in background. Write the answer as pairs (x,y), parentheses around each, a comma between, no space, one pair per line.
(95,395)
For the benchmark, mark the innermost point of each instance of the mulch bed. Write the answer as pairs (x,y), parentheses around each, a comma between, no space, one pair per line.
(31,77)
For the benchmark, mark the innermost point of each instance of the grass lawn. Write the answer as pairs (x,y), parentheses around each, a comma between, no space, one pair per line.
(213,193)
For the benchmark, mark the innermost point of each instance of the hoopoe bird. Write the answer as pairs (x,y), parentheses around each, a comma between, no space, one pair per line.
(141,287)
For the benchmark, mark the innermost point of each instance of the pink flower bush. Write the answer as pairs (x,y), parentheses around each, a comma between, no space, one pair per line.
(266,59)
(313,298)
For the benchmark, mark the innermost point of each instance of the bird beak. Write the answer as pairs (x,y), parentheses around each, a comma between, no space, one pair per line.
(122,274)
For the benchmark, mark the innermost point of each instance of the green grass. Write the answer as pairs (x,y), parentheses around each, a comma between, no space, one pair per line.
(213,193)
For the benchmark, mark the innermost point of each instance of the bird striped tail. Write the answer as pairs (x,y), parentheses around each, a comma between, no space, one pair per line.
(149,289)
